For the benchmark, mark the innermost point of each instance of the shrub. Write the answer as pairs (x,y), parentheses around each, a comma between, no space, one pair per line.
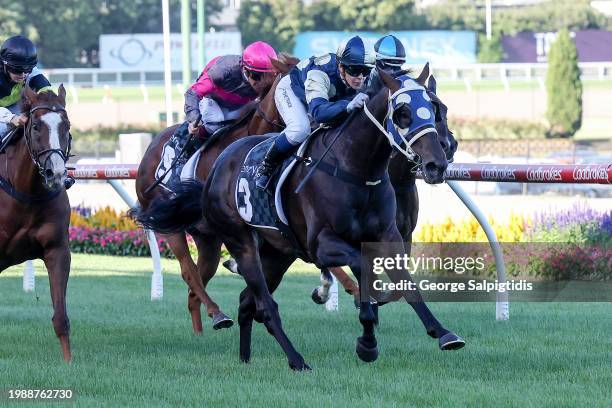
(563,87)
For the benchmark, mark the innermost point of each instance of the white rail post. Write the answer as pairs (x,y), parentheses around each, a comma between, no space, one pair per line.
(29,282)
(157,280)
(502,306)
(332,303)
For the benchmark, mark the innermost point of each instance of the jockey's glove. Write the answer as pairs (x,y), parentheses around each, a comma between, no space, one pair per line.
(358,101)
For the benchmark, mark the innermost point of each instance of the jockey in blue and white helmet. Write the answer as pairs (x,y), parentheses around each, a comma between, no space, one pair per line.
(390,56)
(325,87)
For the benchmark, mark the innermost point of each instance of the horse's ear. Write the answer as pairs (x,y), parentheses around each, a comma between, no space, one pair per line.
(61,92)
(431,84)
(423,75)
(390,82)
(280,67)
(29,93)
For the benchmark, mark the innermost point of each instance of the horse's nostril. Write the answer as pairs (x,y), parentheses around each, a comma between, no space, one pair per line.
(431,167)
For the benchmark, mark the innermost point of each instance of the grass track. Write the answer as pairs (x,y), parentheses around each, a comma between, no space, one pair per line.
(131,352)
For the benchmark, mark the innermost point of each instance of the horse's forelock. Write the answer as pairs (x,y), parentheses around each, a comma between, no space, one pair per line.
(43,98)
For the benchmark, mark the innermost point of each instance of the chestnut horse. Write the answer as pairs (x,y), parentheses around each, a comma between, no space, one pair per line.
(264,119)
(34,207)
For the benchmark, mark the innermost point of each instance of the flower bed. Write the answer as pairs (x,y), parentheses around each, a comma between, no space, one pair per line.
(574,243)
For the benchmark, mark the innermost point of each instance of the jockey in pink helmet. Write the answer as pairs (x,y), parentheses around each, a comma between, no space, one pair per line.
(227,83)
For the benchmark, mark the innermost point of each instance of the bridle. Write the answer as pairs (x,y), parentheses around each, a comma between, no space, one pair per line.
(36,155)
(406,147)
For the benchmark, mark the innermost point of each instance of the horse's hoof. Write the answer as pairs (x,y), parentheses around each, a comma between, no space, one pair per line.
(232,266)
(450,341)
(366,354)
(222,321)
(300,366)
(316,298)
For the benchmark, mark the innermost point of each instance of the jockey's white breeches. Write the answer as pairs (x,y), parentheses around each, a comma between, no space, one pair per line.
(293,112)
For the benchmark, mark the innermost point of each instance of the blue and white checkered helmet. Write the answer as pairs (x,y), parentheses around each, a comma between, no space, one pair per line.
(390,50)
(355,52)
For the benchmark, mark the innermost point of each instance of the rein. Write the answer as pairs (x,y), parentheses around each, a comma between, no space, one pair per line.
(275,124)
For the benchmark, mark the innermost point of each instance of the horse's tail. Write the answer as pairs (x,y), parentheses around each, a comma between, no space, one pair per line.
(174,212)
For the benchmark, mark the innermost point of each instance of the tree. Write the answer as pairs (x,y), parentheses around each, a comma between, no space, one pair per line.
(275,21)
(489,51)
(369,15)
(64,30)
(564,88)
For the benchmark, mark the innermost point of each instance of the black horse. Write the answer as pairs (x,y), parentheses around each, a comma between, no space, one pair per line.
(402,174)
(330,217)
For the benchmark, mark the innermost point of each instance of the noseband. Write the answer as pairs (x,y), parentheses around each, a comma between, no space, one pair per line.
(65,155)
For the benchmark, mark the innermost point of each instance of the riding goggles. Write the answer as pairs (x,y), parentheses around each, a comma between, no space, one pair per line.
(18,70)
(357,70)
(254,75)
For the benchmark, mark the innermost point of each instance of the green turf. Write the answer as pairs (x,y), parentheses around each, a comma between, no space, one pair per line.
(129,351)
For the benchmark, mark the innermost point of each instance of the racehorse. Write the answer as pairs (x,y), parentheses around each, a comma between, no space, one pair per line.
(402,174)
(34,207)
(330,217)
(262,118)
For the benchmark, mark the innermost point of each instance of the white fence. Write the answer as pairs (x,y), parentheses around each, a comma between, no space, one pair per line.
(93,77)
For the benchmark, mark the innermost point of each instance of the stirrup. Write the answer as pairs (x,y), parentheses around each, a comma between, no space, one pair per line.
(262,179)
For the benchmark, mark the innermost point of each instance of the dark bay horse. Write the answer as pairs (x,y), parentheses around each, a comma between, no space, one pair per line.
(330,216)
(34,207)
(402,174)
(263,120)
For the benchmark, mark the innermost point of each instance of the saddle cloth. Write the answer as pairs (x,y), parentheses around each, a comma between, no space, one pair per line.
(185,166)
(258,208)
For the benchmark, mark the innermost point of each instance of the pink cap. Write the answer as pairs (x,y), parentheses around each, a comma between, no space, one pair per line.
(256,57)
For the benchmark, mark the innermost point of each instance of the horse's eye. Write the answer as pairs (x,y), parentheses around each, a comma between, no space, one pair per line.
(35,126)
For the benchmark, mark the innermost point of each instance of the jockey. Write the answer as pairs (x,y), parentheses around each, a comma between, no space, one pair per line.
(226,84)
(19,58)
(390,56)
(326,87)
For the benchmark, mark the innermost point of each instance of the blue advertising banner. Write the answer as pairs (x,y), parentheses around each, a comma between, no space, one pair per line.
(438,47)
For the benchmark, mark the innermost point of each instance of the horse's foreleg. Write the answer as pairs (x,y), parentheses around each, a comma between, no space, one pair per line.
(334,251)
(209,254)
(57,261)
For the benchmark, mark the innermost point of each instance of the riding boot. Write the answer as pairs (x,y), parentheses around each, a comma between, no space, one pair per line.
(274,157)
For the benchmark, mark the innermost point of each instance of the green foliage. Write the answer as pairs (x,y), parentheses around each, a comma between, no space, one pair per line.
(279,21)
(502,129)
(67,30)
(372,15)
(564,88)
(456,15)
(274,21)
(489,51)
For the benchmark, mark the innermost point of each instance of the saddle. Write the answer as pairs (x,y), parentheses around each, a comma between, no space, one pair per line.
(181,153)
